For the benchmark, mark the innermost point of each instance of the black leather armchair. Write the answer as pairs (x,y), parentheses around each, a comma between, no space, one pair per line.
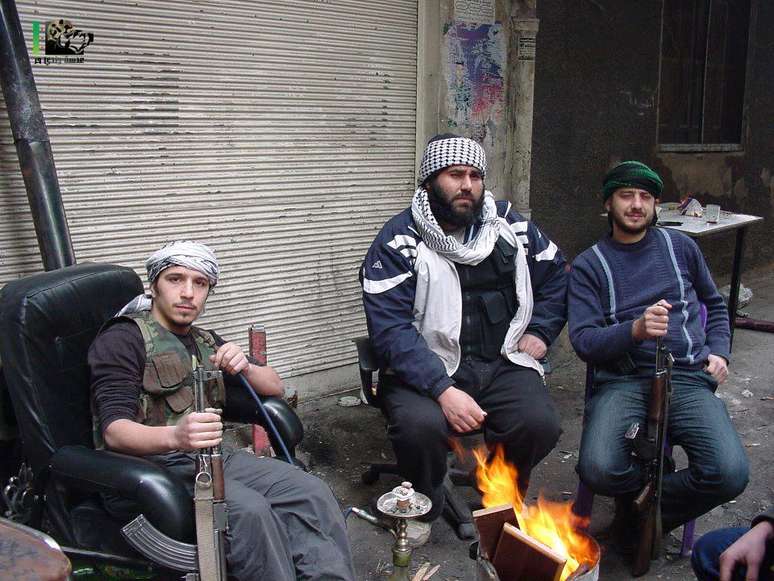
(47,322)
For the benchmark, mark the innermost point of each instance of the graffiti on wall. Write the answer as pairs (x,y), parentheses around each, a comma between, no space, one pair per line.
(474,75)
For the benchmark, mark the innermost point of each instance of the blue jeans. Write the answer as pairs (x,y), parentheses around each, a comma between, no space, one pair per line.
(698,422)
(705,558)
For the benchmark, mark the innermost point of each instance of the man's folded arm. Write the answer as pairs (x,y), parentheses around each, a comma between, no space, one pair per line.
(388,300)
(591,336)
(549,285)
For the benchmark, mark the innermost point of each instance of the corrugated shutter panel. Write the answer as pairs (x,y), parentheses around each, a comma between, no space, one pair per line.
(281,133)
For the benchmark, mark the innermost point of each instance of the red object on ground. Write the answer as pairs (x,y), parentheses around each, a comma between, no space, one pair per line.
(754,324)
(261,444)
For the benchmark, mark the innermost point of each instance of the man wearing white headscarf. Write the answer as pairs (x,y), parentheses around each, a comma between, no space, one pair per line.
(284,524)
(462,297)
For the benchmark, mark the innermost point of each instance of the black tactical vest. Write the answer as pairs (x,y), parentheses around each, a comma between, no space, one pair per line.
(488,302)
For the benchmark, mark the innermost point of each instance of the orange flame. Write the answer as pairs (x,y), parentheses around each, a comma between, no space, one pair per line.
(552,523)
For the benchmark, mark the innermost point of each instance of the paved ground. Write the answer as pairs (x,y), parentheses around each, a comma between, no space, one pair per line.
(340,442)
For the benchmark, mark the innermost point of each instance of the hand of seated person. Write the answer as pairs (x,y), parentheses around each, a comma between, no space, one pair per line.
(717,367)
(230,358)
(532,346)
(653,322)
(748,550)
(461,411)
(198,430)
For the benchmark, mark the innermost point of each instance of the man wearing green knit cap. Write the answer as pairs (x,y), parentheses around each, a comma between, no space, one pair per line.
(632,174)
(635,285)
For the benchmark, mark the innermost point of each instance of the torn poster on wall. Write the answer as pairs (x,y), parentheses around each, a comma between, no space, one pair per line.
(478,11)
(474,76)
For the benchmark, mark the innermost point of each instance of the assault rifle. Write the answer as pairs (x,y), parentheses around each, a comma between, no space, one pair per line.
(649,447)
(209,495)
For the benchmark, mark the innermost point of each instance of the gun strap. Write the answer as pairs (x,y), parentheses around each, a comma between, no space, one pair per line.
(205,533)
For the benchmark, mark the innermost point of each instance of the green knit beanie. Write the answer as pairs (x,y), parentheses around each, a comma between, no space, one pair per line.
(632,174)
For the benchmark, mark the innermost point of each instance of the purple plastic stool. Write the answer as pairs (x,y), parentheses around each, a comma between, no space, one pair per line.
(584,497)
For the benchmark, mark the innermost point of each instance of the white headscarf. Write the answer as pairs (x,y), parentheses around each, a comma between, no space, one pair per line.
(185,253)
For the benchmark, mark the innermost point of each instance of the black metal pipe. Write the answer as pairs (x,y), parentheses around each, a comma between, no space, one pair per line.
(736,280)
(32,144)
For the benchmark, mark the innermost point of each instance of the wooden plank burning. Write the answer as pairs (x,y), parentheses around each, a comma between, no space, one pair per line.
(489,522)
(520,557)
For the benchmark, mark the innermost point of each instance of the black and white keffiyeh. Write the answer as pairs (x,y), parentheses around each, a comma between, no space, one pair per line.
(443,153)
(186,253)
(472,252)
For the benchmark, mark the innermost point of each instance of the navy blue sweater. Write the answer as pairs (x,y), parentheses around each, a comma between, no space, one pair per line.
(612,284)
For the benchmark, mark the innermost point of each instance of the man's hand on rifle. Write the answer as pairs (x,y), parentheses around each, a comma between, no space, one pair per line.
(748,550)
(461,411)
(198,430)
(230,358)
(717,367)
(653,322)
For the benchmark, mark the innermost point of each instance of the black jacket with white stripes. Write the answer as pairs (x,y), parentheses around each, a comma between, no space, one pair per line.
(390,288)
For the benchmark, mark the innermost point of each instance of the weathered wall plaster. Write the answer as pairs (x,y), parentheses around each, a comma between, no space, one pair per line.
(472,91)
(596,101)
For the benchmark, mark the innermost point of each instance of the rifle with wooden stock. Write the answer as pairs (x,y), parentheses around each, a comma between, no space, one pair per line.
(650,449)
(209,495)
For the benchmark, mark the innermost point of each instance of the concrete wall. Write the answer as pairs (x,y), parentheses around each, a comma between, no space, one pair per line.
(471,85)
(596,97)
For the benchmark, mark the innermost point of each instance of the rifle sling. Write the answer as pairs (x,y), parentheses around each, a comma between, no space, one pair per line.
(205,532)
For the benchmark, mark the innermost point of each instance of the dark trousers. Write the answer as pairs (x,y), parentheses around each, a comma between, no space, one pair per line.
(283,524)
(520,415)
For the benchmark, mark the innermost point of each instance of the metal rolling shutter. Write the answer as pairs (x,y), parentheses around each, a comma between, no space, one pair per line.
(281,133)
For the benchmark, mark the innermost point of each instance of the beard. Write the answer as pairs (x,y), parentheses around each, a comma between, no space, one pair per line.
(619,220)
(445,213)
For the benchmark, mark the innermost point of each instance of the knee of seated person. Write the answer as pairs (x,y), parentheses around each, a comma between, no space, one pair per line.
(732,479)
(601,477)
(708,548)
(545,429)
(317,492)
(248,513)
(415,430)
(703,552)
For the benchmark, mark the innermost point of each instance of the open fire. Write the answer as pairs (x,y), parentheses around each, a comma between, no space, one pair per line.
(551,523)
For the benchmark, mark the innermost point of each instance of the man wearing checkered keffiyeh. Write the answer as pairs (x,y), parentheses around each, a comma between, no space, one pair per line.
(462,296)
(283,523)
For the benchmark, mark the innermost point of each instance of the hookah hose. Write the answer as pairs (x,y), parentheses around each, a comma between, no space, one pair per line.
(267,419)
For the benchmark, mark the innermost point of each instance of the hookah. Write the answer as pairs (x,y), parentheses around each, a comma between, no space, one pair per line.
(402,503)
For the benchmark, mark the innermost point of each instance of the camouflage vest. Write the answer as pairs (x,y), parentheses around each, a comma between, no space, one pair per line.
(167,387)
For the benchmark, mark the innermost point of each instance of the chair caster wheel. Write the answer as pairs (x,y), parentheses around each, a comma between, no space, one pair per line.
(369,477)
(466,531)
